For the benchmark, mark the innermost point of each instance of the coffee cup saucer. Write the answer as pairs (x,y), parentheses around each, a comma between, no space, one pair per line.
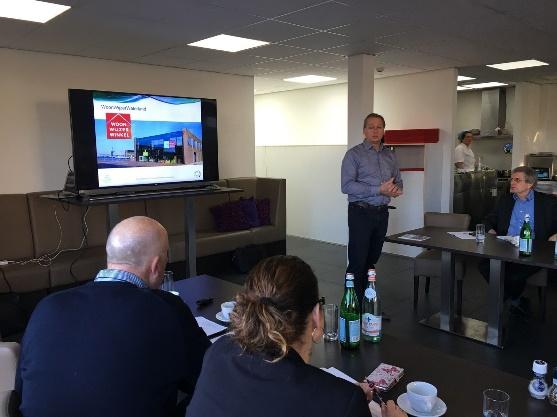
(438,410)
(220,317)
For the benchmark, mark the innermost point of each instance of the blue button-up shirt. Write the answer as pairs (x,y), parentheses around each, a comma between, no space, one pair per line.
(364,170)
(520,209)
(119,275)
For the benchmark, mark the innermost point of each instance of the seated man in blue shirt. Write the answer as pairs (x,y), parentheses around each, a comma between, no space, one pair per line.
(117,346)
(507,219)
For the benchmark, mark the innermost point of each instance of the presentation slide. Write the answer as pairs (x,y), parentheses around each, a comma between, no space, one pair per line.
(156,139)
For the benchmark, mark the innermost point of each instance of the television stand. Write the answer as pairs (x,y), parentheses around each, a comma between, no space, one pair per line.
(112,202)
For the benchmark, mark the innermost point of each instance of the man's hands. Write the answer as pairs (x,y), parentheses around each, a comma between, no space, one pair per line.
(390,189)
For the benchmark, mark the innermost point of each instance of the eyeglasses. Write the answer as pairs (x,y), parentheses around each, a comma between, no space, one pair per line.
(517,180)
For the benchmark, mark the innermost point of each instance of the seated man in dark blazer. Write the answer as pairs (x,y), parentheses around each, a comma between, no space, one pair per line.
(507,219)
(117,346)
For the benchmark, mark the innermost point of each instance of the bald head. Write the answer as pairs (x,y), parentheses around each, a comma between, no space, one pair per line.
(136,244)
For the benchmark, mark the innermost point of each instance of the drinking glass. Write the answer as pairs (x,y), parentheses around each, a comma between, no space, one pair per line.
(330,332)
(496,403)
(168,281)
(480,233)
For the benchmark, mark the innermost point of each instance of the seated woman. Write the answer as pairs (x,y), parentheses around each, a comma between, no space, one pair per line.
(263,367)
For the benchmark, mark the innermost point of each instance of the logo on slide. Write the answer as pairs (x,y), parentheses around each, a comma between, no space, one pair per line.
(118,126)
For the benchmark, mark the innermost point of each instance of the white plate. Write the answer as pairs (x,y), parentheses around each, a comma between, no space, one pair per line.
(220,317)
(439,408)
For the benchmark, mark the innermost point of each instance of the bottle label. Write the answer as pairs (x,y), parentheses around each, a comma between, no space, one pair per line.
(349,283)
(369,293)
(354,329)
(341,330)
(371,325)
(525,245)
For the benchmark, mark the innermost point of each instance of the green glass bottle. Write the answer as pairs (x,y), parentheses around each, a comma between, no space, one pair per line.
(349,316)
(371,310)
(525,241)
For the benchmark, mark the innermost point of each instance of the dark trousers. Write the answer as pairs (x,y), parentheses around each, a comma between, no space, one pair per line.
(367,227)
(515,277)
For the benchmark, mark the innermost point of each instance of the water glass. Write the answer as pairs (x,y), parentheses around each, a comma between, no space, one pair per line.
(496,403)
(330,332)
(480,233)
(168,281)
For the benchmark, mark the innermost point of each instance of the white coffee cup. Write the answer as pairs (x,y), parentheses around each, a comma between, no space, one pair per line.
(226,308)
(422,396)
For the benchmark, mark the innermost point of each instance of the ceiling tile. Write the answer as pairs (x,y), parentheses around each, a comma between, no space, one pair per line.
(271,31)
(275,51)
(315,58)
(322,16)
(318,41)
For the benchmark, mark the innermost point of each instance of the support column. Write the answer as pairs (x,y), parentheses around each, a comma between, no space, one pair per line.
(360,94)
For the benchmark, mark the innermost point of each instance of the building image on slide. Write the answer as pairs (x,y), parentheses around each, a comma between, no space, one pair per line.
(180,147)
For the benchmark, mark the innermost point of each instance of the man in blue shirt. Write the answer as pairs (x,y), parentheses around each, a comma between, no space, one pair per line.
(507,219)
(371,177)
(117,346)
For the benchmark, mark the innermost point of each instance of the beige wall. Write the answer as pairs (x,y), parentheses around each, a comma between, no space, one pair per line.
(35,135)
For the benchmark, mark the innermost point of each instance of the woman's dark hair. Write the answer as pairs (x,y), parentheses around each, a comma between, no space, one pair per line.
(462,134)
(374,116)
(272,310)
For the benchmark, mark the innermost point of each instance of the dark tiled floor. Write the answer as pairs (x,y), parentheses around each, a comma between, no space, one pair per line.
(526,339)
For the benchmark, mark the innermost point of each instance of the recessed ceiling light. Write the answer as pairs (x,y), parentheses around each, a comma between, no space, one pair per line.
(464,78)
(228,43)
(309,79)
(505,66)
(462,87)
(31,10)
(481,85)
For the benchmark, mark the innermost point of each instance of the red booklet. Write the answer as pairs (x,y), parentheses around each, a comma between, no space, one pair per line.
(385,376)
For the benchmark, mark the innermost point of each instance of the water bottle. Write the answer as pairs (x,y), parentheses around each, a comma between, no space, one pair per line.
(371,310)
(525,239)
(349,316)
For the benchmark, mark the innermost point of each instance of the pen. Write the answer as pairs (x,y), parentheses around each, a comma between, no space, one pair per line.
(203,302)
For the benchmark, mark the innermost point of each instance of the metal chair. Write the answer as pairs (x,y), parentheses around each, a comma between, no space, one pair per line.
(428,263)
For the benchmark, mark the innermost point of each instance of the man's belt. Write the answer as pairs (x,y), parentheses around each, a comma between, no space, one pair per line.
(368,206)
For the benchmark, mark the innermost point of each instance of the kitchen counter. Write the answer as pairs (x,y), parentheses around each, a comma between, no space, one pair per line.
(547,187)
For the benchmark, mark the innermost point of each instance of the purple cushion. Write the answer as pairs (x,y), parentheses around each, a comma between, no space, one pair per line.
(229,217)
(250,211)
(263,211)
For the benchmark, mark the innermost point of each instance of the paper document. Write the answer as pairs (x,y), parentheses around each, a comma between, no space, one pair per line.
(209,327)
(334,371)
(463,235)
(418,238)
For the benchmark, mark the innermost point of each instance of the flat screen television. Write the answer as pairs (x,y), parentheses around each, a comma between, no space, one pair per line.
(132,141)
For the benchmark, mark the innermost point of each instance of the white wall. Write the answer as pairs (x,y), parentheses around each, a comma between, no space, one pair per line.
(536,125)
(311,165)
(425,100)
(35,136)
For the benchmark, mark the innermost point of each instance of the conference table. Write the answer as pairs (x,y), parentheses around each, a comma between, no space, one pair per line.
(460,383)
(498,252)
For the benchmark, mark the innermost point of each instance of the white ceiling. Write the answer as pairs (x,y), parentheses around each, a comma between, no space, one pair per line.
(307,36)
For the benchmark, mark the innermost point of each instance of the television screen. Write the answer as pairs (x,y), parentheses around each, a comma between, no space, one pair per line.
(142,140)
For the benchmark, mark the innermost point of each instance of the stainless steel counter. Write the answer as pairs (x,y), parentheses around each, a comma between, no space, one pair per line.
(548,187)
(475,193)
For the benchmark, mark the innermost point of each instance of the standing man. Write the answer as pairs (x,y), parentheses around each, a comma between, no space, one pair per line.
(507,218)
(371,177)
(117,346)
(465,160)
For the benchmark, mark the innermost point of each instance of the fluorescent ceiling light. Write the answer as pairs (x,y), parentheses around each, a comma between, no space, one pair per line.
(228,43)
(505,66)
(309,79)
(481,85)
(464,78)
(31,10)
(462,87)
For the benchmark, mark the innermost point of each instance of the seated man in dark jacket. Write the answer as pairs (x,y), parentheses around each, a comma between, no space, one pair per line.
(507,219)
(118,346)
